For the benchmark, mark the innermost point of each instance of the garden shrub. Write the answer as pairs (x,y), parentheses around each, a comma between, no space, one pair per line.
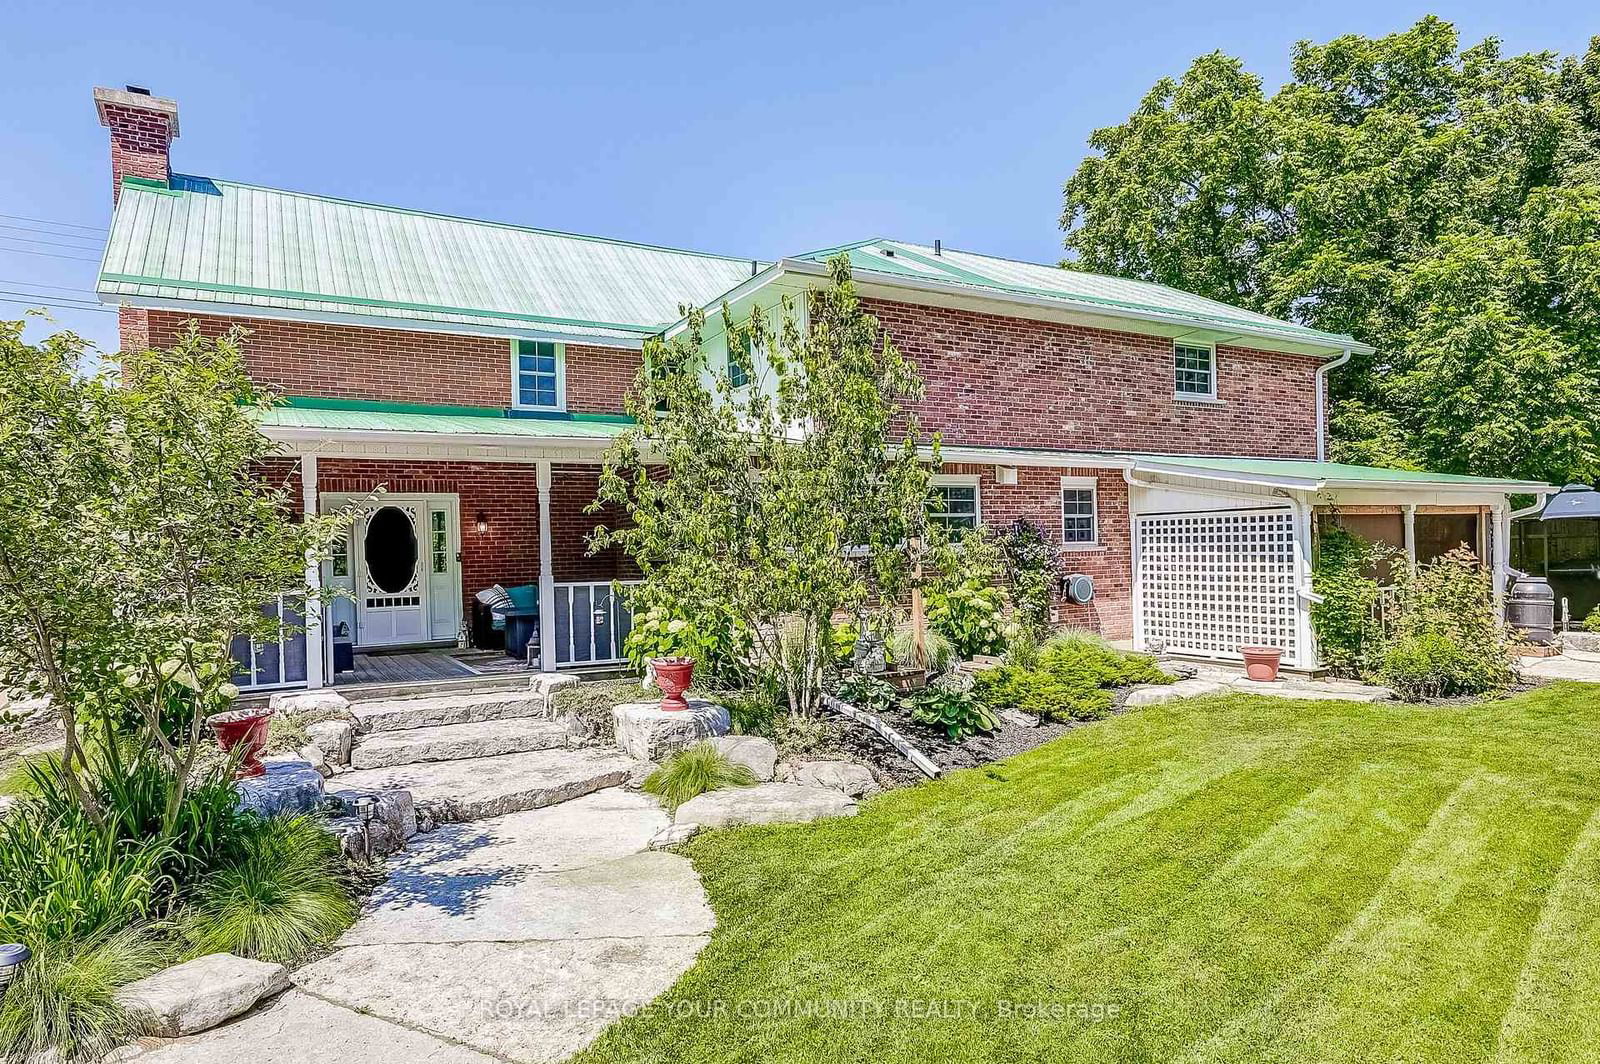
(62,1004)
(956,712)
(1346,629)
(284,896)
(1072,680)
(1446,635)
(965,602)
(713,637)
(866,693)
(1033,568)
(694,771)
(940,651)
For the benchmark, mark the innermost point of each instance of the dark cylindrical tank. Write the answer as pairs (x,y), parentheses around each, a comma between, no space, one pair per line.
(1531,609)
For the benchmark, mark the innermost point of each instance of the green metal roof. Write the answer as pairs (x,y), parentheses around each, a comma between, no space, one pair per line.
(1327,472)
(351,414)
(222,242)
(1011,277)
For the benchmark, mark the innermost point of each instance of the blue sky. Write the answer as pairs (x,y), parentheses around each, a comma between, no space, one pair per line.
(746,129)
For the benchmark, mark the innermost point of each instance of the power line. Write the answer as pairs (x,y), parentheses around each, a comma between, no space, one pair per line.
(41,295)
(48,254)
(54,287)
(46,243)
(47,221)
(58,306)
(48,232)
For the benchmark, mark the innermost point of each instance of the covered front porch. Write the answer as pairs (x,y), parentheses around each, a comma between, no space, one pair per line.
(468,555)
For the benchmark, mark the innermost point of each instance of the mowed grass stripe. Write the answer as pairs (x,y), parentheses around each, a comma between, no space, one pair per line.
(1554,1014)
(1248,878)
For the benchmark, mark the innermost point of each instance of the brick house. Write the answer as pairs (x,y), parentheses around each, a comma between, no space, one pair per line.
(1172,446)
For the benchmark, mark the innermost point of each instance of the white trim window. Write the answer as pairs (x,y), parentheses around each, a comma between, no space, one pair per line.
(538,375)
(1194,370)
(1080,513)
(953,502)
(738,375)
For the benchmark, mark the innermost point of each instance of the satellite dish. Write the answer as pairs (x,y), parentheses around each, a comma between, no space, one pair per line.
(1079,588)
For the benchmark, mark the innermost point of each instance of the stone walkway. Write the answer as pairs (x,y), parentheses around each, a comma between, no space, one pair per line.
(515,938)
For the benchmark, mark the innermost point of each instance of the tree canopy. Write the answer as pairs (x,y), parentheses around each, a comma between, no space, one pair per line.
(1440,204)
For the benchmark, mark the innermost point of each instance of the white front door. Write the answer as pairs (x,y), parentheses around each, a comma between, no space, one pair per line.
(391,584)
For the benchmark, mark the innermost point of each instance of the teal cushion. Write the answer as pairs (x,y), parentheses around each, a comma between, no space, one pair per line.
(525,597)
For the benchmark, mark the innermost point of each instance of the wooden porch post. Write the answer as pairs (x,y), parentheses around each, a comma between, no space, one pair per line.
(547,578)
(315,673)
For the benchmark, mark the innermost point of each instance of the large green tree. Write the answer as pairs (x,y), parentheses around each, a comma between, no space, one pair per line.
(1441,204)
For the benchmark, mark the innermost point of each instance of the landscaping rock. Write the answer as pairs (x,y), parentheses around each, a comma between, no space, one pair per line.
(846,777)
(290,786)
(649,733)
(1586,642)
(753,752)
(765,803)
(1018,719)
(6,804)
(199,994)
(334,738)
(394,821)
(548,683)
(314,757)
(322,700)
(1158,693)
(641,772)
(673,834)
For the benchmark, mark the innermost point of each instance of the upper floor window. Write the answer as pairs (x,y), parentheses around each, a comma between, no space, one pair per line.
(536,366)
(1194,371)
(953,503)
(1080,519)
(739,356)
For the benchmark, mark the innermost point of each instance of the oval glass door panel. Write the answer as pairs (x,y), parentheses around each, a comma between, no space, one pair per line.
(391,550)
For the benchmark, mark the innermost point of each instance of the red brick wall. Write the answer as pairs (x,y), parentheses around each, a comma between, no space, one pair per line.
(508,496)
(1008,381)
(357,362)
(141,144)
(1037,497)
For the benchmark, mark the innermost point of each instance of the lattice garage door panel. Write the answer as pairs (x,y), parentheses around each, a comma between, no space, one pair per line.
(1213,582)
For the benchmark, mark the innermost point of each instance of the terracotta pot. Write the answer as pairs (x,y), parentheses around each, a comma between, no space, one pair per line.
(247,729)
(1261,663)
(673,676)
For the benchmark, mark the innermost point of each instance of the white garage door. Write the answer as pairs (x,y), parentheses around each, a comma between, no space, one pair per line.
(1212,582)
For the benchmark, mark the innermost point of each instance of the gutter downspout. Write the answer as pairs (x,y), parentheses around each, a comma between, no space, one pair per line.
(1322,384)
(1305,636)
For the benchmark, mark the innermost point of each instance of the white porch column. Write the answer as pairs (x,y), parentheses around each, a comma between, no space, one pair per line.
(1304,636)
(315,671)
(1500,547)
(547,576)
(1409,513)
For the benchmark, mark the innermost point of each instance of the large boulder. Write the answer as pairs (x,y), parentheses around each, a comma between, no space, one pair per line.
(334,739)
(394,821)
(324,700)
(290,785)
(753,752)
(846,777)
(765,803)
(199,994)
(648,732)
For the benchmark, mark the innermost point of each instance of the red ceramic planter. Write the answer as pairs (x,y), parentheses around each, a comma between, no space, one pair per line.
(673,676)
(1261,663)
(245,728)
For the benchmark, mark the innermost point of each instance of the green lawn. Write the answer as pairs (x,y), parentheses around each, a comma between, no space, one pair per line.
(1242,878)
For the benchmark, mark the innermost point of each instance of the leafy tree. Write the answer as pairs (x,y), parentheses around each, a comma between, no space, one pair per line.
(1441,204)
(781,504)
(138,537)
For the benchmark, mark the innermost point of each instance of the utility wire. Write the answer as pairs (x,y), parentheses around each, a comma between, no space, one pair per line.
(47,243)
(48,232)
(57,306)
(58,299)
(47,254)
(53,287)
(47,221)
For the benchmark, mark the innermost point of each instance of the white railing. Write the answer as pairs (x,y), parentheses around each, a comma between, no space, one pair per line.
(278,664)
(591,623)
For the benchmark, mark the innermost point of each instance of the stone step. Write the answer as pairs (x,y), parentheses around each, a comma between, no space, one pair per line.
(438,711)
(457,742)
(451,791)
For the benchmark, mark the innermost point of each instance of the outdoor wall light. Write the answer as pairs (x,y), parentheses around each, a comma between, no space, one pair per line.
(483,522)
(12,954)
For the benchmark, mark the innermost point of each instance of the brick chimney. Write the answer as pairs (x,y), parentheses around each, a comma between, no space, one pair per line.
(142,127)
